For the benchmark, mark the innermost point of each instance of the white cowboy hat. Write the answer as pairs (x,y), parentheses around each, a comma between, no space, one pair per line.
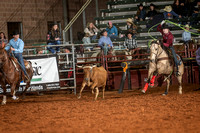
(129,20)
(187,26)
(168,8)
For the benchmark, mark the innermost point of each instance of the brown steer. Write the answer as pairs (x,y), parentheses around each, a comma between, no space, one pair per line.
(94,77)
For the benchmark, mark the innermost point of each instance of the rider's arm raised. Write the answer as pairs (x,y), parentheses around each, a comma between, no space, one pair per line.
(159,28)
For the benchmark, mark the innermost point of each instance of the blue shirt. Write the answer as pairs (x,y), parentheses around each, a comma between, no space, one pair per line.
(112,30)
(105,40)
(186,36)
(198,56)
(17,45)
(142,14)
(168,15)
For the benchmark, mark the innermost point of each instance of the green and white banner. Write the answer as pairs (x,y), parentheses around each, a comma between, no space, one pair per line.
(45,76)
(45,70)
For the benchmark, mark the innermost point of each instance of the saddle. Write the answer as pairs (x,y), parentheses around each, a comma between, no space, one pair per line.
(17,66)
(170,56)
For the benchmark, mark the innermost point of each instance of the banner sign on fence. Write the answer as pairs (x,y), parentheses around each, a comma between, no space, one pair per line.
(45,76)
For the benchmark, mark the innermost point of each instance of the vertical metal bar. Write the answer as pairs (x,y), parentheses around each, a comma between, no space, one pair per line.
(71,35)
(97,8)
(84,20)
(129,79)
(122,82)
(21,30)
(73,58)
(66,35)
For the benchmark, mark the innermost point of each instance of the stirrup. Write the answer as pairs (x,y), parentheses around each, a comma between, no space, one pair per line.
(177,73)
(26,77)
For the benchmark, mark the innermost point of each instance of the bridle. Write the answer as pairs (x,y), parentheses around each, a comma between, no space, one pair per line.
(3,53)
(3,63)
(156,54)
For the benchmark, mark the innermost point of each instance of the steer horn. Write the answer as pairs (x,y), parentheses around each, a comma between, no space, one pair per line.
(94,66)
(79,66)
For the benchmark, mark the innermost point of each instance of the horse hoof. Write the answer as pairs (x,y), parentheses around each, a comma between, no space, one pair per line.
(15,98)
(3,103)
(79,97)
(180,93)
(164,94)
(23,97)
(143,91)
(151,85)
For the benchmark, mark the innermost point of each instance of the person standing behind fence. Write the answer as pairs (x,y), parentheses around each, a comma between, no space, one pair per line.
(91,30)
(130,45)
(53,38)
(198,62)
(112,30)
(131,27)
(169,13)
(186,35)
(3,38)
(152,12)
(104,42)
(141,13)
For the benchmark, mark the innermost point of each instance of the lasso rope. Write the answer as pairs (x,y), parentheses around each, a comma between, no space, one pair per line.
(167,21)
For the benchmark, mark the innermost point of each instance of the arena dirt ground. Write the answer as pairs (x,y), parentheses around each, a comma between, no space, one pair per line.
(130,111)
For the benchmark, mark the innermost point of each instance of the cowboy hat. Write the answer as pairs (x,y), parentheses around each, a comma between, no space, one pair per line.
(55,23)
(168,8)
(187,26)
(15,33)
(128,33)
(165,26)
(140,5)
(152,5)
(129,20)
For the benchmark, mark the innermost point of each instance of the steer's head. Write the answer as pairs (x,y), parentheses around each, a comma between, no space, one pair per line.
(87,70)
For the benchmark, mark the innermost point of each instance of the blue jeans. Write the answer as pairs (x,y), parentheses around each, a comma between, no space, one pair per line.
(54,43)
(93,37)
(112,36)
(174,56)
(21,61)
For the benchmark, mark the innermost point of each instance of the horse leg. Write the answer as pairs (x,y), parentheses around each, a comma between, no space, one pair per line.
(167,89)
(24,92)
(82,87)
(97,93)
(13,91)
(4,94)
(150,75)
(180,83)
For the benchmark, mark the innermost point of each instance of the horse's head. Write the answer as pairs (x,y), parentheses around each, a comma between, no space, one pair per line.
(154,50)
(2,54)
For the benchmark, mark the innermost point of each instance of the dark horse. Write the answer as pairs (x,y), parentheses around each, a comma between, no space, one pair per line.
(11,73)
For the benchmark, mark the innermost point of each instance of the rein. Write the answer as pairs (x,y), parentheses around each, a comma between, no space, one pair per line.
(158,54)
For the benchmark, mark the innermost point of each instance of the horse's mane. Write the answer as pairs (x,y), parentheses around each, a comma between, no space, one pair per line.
(160,43)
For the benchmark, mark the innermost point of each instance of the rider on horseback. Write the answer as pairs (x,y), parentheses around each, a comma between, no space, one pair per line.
(17,45)
(168,39)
